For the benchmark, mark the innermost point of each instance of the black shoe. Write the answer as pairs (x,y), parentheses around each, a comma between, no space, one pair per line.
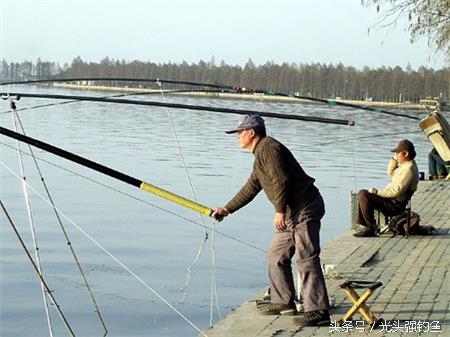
(277,309)
(316,318)
(366,232)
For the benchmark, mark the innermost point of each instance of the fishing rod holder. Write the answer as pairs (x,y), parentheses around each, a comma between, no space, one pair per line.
(10,97)
(12,100)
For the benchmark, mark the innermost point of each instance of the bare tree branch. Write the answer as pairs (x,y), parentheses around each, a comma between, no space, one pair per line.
(428,18)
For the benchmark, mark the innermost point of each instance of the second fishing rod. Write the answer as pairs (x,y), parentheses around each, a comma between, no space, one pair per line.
(227,88)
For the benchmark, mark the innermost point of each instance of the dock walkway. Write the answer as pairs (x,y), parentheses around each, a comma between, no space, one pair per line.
(415,295)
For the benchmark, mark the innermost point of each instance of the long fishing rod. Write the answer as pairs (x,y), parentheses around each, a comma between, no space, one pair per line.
(182,106)
(146,202)
(137,93)
(109,172)
(233,89)
(131,272)
(123,79)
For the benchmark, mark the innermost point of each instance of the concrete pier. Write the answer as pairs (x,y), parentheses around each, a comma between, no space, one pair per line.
(414,298)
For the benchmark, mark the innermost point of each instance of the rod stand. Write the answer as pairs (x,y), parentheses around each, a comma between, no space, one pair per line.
(12,98)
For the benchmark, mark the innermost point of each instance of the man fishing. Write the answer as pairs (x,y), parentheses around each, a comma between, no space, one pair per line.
(392,199)
(299,208)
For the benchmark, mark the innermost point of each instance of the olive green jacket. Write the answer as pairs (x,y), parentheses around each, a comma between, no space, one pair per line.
(277,172)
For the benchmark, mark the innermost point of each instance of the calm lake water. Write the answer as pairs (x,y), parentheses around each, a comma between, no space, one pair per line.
(156,245)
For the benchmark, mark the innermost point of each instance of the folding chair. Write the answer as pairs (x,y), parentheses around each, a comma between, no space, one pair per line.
(385,226)
(381,220)
(359,302)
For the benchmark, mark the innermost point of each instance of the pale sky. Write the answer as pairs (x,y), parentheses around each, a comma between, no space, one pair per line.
(301,31)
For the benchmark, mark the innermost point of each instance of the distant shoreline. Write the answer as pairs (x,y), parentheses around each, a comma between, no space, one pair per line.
(254,96)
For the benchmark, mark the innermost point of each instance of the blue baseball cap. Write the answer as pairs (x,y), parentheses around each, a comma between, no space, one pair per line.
(248,122)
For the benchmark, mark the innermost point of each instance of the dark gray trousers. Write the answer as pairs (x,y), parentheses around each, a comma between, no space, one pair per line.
(301,237)
(368,202)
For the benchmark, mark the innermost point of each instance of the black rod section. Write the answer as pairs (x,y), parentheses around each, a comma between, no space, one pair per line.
(236,89)
(184,106)
(71,156)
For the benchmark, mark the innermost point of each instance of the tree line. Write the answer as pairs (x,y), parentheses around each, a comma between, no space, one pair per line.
(315,79)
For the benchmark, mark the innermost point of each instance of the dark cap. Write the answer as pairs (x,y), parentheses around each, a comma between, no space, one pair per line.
(248,122)
(404,145)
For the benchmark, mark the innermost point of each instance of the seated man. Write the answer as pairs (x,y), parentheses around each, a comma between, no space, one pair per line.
(436,165)
(392,199)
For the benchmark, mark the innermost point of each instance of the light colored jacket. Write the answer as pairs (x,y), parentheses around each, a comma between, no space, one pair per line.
(405,178)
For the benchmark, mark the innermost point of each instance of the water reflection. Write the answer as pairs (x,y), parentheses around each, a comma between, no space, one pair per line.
(139,141)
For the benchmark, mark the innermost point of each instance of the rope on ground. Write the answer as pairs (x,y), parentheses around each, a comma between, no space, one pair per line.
(106,251)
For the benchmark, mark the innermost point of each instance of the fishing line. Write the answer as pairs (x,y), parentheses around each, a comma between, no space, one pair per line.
(261,100)
(188,275)
(31,222)
(106,251)
(352,151)
(264,105)
(38,272)
(66,236)
(228,236)
(214,293)
(41,106)
(334,141)
(205,238)
(339,177)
